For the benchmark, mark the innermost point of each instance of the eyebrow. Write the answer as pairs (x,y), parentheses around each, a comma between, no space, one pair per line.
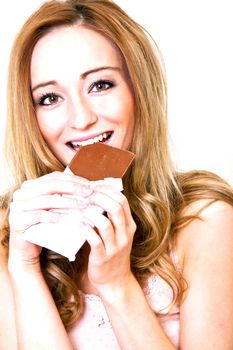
(82,76)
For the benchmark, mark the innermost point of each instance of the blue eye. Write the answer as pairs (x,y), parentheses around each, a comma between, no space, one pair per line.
(101,85)
(48,99)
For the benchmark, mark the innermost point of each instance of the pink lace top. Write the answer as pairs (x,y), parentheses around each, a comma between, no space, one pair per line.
(94,331)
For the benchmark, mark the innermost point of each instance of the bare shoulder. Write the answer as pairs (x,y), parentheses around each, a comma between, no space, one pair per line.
(205,247)
(213,229)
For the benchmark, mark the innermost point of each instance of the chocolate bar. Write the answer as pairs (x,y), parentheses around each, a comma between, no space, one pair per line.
(99,161)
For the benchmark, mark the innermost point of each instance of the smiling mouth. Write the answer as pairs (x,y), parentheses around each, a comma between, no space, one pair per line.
(100,138)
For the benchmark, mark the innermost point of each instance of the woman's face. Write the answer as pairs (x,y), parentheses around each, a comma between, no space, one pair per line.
(81,91)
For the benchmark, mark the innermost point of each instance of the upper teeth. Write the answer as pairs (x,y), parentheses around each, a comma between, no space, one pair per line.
(95,139)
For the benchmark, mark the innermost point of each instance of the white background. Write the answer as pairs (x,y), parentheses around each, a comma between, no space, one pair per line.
(196,39)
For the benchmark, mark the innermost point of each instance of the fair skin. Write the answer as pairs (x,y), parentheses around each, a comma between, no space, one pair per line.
(75,111)
(82,87)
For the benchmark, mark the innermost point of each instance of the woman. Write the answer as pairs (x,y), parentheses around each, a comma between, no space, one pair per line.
(83,71)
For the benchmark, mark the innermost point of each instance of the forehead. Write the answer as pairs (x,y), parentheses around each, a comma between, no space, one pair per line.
(73,46)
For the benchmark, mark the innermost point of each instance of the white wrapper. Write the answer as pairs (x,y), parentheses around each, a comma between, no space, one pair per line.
(68,235)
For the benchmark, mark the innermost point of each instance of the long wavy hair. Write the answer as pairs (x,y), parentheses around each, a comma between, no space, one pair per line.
(156,192)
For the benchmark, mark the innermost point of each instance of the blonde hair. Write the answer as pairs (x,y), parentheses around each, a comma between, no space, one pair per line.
(155,192)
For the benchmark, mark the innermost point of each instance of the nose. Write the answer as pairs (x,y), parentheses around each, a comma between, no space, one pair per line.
(80,113)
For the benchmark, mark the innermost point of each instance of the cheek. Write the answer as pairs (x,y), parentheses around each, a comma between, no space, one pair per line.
(125,106)
(126,111)
(50,127)
(119,108)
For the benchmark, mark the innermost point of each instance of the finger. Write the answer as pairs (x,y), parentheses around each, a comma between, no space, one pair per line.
(115,213)
(118,197)
(56,175)
(104,228)
(52,185)
(118,212)
(46,202)
(96,244)
(26,219)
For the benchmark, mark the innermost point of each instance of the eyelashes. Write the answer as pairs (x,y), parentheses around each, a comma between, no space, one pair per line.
(51,98)
(48,99)
(101,85)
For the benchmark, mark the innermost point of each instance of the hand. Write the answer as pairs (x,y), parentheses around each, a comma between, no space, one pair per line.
(39,201)
(110,240)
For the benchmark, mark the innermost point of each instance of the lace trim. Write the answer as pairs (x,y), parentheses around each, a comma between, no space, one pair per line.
(155,285)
